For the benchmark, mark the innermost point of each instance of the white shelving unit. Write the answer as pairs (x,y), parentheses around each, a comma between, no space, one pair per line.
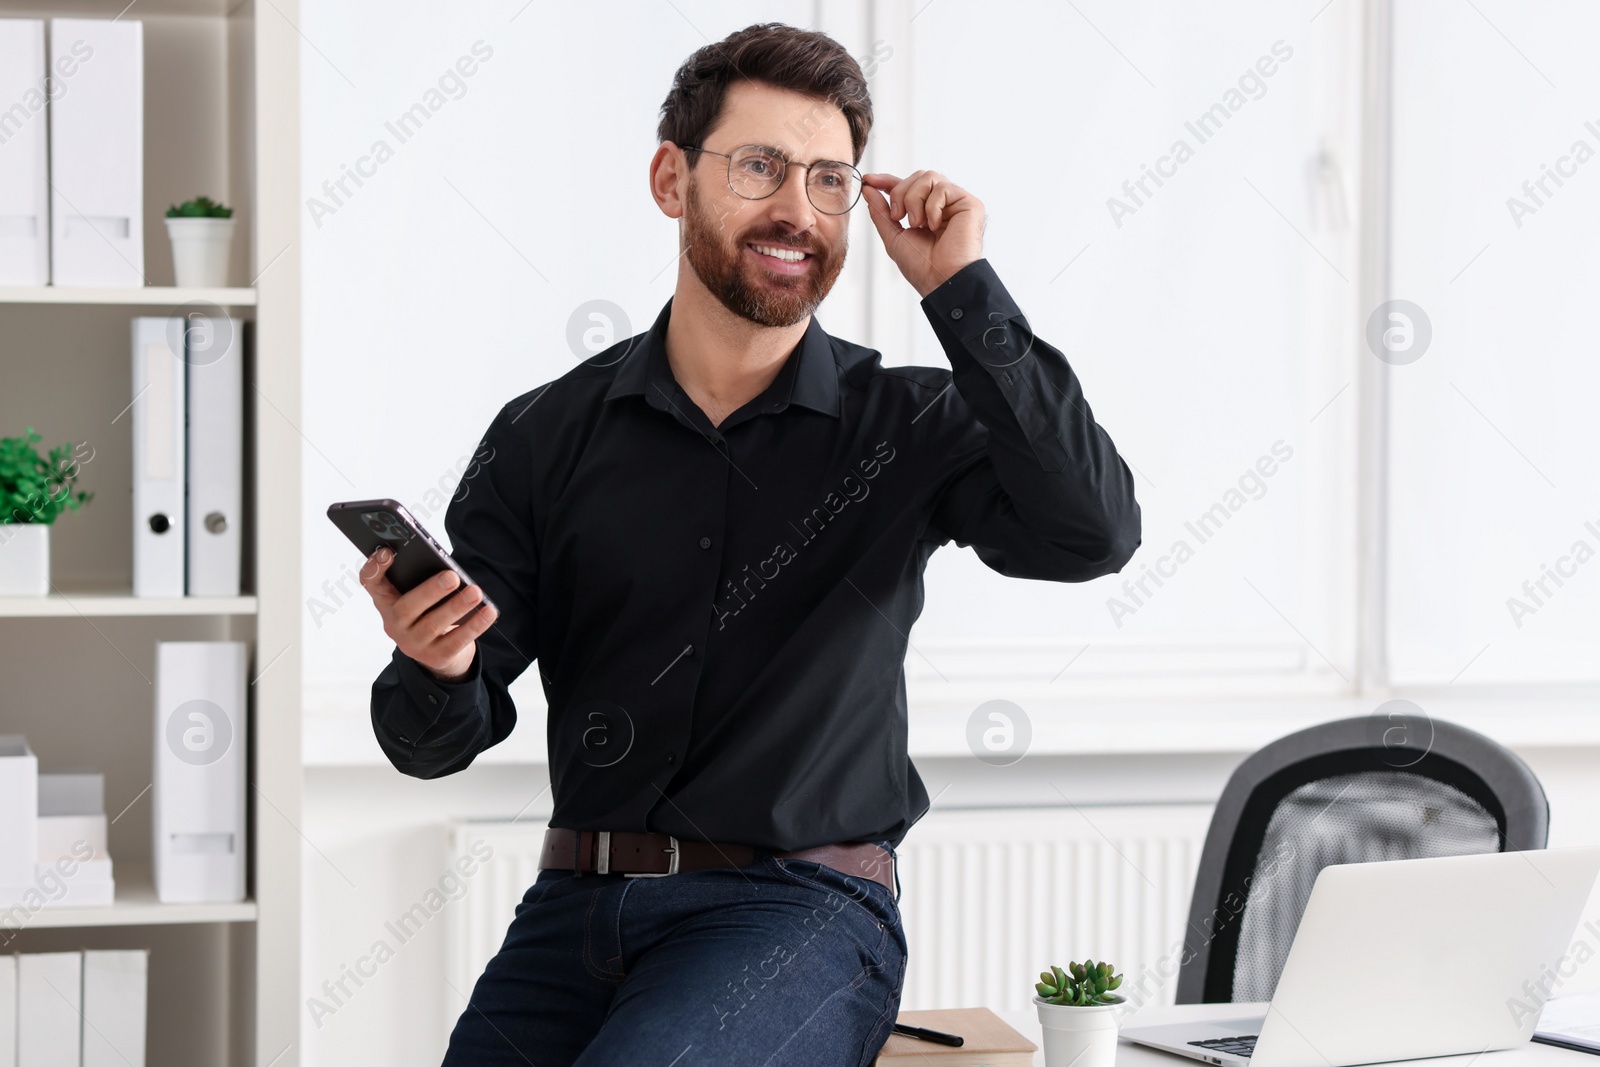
(149,295)
(107,604)
(136,905)
(77,666)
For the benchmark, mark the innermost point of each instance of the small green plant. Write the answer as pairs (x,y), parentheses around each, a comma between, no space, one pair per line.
(201,207)
(1081,984)
(35,488)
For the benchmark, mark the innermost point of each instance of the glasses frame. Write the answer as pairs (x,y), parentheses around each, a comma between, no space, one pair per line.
(787,163)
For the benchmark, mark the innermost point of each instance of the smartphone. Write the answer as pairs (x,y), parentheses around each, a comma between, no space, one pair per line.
(371,524)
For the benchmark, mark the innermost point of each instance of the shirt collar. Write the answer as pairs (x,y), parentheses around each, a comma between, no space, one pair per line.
(809,377)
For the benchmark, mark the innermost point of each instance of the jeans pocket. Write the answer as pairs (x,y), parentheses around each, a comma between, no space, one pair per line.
(540,888)
(871,896)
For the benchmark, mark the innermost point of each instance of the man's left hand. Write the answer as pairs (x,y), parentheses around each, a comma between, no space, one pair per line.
(944,225)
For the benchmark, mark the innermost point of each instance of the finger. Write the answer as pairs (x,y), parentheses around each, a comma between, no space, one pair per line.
(374,577)
(462,637)
(377,564)
(938,200)
(915,193)
(444,616)
(897,207)
(479,624)
(887,184)
(917,198)
(412,605)
(878,209)
(901,198)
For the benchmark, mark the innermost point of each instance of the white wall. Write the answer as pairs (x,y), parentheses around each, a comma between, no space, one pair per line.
(442,286)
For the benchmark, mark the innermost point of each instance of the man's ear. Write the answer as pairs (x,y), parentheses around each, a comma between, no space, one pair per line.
(668,177)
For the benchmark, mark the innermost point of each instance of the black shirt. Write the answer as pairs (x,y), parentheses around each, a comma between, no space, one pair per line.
(720,614)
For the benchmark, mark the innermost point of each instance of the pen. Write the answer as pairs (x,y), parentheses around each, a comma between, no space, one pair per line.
(937,1036)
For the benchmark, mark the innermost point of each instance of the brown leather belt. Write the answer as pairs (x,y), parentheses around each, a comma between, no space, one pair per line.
(647,855)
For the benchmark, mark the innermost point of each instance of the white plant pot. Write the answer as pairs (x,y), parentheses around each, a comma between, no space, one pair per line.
(1077,1036)
(24,559)
(200,251)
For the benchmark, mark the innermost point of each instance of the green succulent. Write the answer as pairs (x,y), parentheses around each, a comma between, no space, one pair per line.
(1082,984)
(201,207)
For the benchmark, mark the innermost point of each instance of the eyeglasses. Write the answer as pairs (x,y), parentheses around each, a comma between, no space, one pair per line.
(756,171)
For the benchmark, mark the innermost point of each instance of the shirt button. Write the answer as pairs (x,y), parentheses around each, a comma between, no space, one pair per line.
(688,650)
(705,542)
(432,699)
(955,313)
(671,758)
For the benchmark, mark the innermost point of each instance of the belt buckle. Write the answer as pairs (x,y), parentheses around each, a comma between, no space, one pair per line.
(672,864)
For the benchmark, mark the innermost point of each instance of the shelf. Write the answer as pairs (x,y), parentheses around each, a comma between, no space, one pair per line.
(136,905)
(99,603)
(109,8)
(157,295)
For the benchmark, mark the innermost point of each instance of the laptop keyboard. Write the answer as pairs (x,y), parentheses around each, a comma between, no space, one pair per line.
(1233,1046)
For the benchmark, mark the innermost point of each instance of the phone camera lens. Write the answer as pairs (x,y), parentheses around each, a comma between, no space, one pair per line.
(387,526)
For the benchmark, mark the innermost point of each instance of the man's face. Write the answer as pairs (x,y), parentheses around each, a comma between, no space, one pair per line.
(722,228)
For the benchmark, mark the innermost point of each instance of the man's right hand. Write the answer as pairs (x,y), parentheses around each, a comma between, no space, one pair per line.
(428,636)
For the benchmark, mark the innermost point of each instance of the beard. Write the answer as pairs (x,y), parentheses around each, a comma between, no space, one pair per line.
(742,284)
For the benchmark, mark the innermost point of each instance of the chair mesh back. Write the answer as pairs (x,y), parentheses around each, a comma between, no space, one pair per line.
(1346,818)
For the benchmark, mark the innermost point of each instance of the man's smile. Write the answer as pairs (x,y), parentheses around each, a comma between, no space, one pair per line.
(780,259)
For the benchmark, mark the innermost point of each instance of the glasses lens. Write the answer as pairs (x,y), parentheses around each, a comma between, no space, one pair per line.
(833,187)
(755,172)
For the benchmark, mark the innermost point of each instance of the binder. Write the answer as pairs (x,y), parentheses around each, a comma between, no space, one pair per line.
(49,998)
(97,152)
(159,385)
(8,1011)
(216,454)
(114,997)
(24,190)
(201,730)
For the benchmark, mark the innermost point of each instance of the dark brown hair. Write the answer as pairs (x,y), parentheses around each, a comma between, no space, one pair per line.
(803,61)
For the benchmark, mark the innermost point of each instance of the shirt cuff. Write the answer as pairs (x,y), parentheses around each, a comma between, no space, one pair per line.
(979,325)
(973,306)
(428,698)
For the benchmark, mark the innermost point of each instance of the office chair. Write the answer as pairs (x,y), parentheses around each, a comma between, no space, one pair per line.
(1375,787)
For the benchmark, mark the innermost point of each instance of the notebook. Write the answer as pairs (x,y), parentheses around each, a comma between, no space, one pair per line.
(989,1041)
(1571,1022)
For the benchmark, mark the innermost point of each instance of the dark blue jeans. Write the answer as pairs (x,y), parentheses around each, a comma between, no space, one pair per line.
(782,962)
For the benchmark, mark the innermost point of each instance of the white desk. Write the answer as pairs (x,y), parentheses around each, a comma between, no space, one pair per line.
(1131,1055)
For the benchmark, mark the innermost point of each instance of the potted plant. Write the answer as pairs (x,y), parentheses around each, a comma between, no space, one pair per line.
(201,230)
(1078,1013)
(34,489)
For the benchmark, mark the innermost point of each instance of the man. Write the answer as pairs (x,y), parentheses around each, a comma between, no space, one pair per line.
(712,537)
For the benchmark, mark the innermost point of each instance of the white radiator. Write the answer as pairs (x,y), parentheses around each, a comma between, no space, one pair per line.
(989,899)
(476,924)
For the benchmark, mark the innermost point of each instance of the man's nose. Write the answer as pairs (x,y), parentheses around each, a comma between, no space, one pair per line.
(791,204)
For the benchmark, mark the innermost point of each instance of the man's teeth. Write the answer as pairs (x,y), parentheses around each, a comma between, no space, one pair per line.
(788,255)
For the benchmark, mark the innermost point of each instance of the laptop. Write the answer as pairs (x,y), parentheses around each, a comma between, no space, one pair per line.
(1401,959)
